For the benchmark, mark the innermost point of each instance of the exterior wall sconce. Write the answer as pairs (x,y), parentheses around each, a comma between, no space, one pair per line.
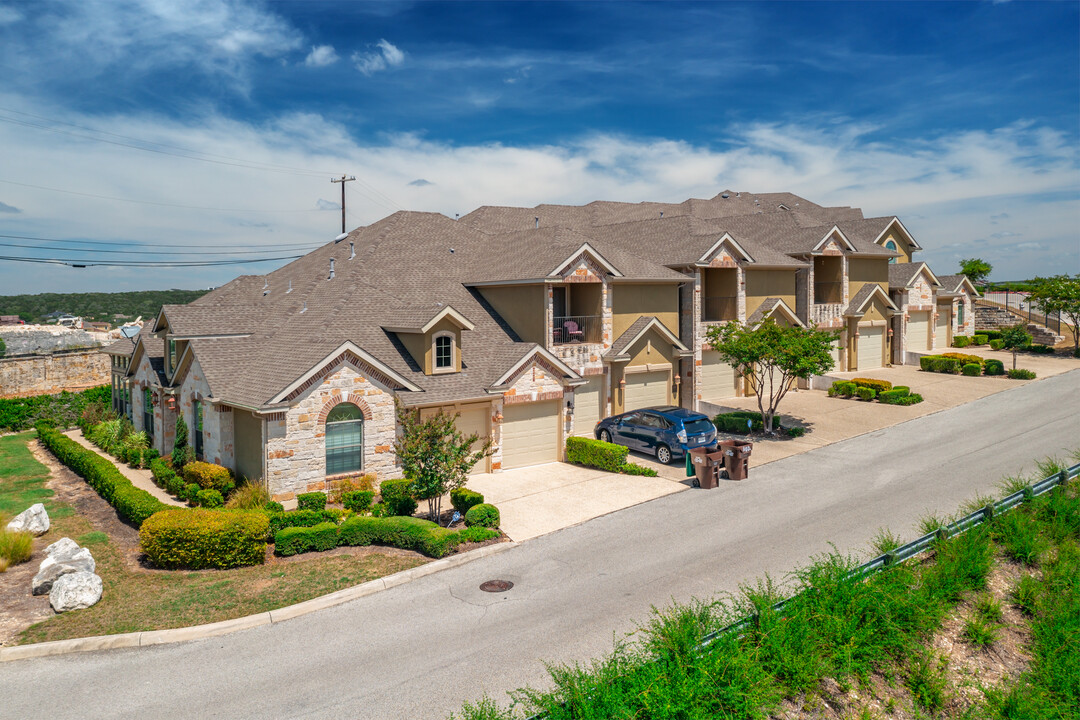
(570,406)
(498,417)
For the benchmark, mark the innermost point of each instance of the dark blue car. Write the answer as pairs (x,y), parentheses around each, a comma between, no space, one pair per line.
(666,431)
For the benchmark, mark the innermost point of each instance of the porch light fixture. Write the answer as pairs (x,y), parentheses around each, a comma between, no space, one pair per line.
(498,417)
(570,405)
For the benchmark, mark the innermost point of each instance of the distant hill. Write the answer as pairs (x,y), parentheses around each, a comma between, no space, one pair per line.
(95,306)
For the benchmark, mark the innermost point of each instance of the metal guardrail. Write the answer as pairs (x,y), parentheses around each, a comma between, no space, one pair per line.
(911,549)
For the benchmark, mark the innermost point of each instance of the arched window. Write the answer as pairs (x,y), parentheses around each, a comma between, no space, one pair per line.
(444,352)
(960,314)
(344,439)
(890,245)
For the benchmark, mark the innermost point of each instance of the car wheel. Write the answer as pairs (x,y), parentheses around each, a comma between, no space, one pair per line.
(605,436)
(663,454)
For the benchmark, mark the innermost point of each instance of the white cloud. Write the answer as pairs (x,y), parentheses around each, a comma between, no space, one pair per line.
(9,15)
(5,208)
(946,189)
(386,56)
(321,56)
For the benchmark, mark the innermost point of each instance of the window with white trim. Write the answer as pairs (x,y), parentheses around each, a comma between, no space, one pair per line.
(442,352)
(344,439)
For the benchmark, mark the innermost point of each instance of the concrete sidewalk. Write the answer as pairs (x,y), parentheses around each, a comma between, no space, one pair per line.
(141,479)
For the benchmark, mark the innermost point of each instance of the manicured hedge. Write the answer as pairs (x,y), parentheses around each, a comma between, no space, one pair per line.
(842,388)
(963,358)
(596,453)
(912,399)
(209,498)
(735,422)
(639,470)
(200,538)
(463,499)
(294,540)
(961,341)
(63,410)
(872,383)
(972,369)
(997,344)
(483,515)
(408,533)
(994,367)
(1040,349)
(980,339)
(991,334)
(209,476)
(889,397)
(397,496)
(866,393)
(1021,374)
(131,503)
(939,364)
(300,518)
(358,501)
(311,501)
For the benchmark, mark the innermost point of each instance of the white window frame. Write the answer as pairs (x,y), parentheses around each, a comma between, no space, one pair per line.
(435,369)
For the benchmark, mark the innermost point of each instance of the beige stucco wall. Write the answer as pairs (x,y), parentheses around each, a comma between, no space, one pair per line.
(652,349)
(761,284)
(51,374)
(522,307)
(295,439)
(633,300)
(867,270)
(248,442)
(902,245)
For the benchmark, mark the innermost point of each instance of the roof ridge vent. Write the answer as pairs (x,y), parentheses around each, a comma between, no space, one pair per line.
(331,269)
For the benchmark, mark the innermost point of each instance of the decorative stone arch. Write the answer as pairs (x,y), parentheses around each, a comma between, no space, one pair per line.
(333,402)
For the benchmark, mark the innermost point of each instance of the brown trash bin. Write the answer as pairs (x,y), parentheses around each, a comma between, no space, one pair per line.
(706,467)
(736,458)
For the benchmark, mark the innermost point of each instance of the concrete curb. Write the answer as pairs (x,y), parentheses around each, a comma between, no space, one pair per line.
(225,627)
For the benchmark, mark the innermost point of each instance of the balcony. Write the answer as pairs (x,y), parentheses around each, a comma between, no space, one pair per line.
(719,309)
(828,293)
(577,329)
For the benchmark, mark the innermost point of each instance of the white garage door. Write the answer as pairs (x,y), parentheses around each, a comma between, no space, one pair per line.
(530,434)
(647,389)
(870,347)
(717,377)
(587,410)
(941,336)
(834,353)
(918,331)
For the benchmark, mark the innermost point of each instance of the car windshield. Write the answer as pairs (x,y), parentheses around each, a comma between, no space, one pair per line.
(699,426)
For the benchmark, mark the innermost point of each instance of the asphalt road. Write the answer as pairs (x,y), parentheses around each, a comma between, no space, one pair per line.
(420,649)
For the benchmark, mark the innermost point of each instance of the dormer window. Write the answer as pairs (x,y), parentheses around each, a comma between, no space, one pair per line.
(443,352)
(890,245)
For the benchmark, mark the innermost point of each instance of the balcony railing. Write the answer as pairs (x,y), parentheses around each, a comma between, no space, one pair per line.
(828,292)
(571,329)
(719,309)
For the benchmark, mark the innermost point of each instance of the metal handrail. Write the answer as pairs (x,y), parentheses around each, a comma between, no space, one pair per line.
(910,550)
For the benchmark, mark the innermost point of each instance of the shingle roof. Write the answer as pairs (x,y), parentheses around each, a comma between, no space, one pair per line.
(903,274)
(763,310)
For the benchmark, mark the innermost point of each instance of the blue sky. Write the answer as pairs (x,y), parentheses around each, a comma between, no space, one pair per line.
(962,118)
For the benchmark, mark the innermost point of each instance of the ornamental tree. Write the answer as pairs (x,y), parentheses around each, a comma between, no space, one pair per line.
(1013,338)
(772,357)
(976,269)
(1060,294)
(435,455)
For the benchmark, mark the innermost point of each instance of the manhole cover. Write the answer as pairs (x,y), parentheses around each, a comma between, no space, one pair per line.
(496,586)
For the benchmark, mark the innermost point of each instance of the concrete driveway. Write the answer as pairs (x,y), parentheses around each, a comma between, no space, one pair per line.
(537,500)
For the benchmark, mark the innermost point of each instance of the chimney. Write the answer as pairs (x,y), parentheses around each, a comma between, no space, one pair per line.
(352,249)
(331,269)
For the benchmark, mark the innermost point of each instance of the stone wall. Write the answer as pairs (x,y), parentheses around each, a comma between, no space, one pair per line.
(51,374)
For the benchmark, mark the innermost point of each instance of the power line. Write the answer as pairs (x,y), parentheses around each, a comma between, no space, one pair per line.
(282,246)
(138,250)
(138,263)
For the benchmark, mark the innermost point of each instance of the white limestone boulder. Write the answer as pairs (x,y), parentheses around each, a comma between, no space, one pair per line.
(68,560)
(33,520)
(76,591)
(62,546)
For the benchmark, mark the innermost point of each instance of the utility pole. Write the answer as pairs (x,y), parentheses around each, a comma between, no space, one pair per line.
(343,180)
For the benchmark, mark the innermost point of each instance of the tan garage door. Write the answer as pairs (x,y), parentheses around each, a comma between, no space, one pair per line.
(918,331)
(870,347)
(941,335)
(717,377)
(530,434)
(835,354)
(471,419)
(647,389)
(587,409)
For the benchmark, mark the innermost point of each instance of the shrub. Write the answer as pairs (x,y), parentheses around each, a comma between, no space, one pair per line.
(484,515)
(273,506)
(338,488)
(208,476)
(961,341)
(972,369)
(873,384)
(892,397)
(299,518)
(945,365)
(477,534)
(1076,353)
(161,473)
(249,496)
(964,359)
(1021,374)
(997,344)
(191,492)
(183,456)
(596,453)
(209,498)
(1040,349)
(15,546)
(980,339)
(797,432)
(735,422)
(408,533)
(397,496)
(317,538)
(638,470)
(463,498)
(994,367)
(174,485)
(912,399)
(63,411)
(200,538)
(311,501)
(359,501)
(865,393)
(991,334)
(905,388)
(926,362)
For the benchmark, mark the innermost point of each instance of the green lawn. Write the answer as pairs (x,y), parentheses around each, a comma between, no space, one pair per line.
(22,479)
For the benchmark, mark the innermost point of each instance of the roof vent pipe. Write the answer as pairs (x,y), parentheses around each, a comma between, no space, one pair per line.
(331,269)
(537,221)
(352,249)
(266,287)
(661,213)
(290,288)
(304,309)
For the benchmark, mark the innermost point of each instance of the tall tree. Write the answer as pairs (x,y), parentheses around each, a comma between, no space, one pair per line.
(1060,294)
(976,269)
(435,455)
(772,357)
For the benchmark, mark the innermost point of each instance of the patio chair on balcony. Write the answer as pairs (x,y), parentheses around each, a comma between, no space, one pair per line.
(573,334)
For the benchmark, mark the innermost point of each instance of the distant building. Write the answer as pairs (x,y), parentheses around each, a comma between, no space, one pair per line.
(11,320)
(97,326)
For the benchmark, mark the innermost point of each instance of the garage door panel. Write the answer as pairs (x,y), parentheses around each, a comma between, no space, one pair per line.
(871,351)
(476,419)
(918,333)
(717,378)
(587,405)
(647,389)
(941,334)
(530,434)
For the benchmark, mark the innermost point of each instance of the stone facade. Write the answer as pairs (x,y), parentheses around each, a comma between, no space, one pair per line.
(52,374)
(919,297)
(296,447)
(217,432)
(535,382)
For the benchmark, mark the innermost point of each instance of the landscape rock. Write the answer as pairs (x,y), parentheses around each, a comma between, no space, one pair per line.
(58,564)
(62,546)
(76,591)
(33,520)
